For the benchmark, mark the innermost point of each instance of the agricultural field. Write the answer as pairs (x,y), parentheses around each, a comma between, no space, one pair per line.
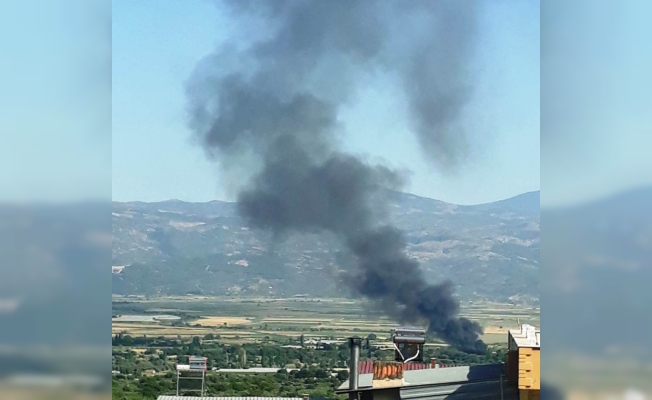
(256,320)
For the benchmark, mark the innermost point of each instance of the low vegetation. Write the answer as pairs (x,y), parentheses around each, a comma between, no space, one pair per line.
(303,338)
(144,366)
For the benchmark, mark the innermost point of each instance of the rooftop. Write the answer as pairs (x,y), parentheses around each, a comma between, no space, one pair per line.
(434,376)
(367,367)
(527,336)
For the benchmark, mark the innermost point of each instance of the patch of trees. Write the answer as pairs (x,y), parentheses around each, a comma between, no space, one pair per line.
(313,381)
(314,375)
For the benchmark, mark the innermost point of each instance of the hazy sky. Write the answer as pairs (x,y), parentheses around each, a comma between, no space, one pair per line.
(55,101)
(156,48)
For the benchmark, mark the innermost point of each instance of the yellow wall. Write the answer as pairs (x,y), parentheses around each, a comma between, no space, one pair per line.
(529,368)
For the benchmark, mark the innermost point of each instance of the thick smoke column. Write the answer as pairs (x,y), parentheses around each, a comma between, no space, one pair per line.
(274,113)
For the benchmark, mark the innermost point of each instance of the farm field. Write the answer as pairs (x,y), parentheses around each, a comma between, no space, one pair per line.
(255,320)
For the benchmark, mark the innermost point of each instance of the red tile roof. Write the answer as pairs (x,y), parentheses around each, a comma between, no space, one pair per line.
(367,367)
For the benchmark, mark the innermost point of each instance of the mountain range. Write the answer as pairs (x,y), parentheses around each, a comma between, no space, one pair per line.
(490,251)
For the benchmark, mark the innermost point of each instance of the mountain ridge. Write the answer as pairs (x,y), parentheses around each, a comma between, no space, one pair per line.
(173,247)
(533,193)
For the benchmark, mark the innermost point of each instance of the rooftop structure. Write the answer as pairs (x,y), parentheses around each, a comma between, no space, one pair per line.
(466,382)
(526,336)
(406,379)
(195,370)
(197,363)
(367,367)
(524,360)
(408,344)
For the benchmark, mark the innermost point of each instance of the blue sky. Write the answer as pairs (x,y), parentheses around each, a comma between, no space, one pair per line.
(55,102)
(156,48)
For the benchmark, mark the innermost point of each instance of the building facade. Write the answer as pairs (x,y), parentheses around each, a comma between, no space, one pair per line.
(524,361)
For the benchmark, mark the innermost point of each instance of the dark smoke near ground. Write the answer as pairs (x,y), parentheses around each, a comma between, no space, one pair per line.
(271,110)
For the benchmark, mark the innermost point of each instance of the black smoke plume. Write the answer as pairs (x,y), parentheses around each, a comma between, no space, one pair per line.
(272,109)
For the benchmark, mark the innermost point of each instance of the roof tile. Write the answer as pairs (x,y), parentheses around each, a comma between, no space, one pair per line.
(367,367)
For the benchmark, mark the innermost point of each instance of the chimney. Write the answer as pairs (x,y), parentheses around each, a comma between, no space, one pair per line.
(354,344)
(433,362)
